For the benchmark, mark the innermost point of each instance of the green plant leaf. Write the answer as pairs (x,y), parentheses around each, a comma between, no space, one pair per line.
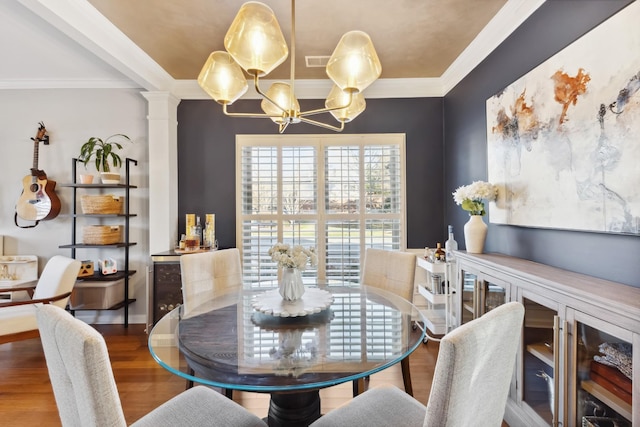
(102,151)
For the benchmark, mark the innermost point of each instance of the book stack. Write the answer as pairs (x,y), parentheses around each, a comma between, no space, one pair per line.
(612,379)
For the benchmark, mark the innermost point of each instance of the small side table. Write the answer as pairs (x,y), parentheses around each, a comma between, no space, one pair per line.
(17,271)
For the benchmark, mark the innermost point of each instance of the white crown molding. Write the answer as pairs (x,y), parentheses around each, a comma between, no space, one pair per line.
(85,25)
(80,21)
(506,21)
(405,88)
(15,84)
(319,89)
(510,17)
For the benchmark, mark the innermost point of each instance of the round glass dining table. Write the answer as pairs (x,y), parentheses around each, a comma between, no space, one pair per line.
(229,343)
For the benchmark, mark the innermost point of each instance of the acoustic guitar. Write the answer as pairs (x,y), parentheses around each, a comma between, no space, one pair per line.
(38,200)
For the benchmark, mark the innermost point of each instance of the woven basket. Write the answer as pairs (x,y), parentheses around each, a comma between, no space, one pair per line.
(101,204)
(101,234)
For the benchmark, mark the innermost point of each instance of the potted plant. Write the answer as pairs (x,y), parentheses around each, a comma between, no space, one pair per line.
(104,153)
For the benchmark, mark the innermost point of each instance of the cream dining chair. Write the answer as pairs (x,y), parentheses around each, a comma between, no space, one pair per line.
(207,275)
(18,318)
(470,384)
(393,271)
(85,389)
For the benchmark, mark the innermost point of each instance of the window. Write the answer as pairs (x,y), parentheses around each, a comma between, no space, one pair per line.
(337,193)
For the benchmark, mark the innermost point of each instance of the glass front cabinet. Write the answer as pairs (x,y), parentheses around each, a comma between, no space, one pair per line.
(539,393)
(576,365)
(479,294)
(602,382)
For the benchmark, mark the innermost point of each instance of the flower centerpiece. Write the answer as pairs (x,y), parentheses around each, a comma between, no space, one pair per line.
(293,257)
(471,198)
(293,260)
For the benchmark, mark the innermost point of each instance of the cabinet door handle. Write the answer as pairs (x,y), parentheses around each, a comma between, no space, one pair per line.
(478,299)
(556,368)
(565,377)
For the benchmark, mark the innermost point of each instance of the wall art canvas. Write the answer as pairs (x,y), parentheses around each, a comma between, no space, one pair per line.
(564,140)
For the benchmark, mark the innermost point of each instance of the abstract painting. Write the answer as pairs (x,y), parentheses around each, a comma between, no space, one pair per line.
(563,141)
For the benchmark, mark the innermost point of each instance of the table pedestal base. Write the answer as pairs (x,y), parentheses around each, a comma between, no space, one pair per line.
(297,409)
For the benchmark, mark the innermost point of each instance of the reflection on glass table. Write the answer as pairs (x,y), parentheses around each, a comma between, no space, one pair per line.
(229,344)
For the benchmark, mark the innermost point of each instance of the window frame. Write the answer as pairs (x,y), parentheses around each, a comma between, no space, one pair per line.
(321,216)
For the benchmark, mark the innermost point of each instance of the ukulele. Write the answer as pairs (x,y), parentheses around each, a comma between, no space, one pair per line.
(38,200)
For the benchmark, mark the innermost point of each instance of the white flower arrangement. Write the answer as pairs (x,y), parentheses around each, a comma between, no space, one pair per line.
(293,257)
(471,196)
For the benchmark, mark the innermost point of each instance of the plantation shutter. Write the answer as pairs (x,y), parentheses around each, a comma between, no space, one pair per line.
(337,193)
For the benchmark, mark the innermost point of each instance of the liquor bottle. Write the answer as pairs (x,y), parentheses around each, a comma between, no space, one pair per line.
(194,237)
(210,231)
(190,221)
(198,229)
(439,255)
(450,245)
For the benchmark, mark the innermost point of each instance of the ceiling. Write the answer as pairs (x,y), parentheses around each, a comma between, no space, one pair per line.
(413,38)
(162,44)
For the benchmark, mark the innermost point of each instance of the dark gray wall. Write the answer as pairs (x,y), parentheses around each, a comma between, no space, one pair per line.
(554,26)
(206,159)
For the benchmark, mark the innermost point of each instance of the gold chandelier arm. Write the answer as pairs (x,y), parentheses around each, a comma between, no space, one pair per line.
(283,126)
(265,96)
(327,110)
(323,125)
(247,115)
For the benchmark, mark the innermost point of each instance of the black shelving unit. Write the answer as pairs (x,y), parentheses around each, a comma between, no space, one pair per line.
(125,272)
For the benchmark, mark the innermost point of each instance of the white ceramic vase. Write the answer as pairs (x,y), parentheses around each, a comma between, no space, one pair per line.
(475,233)
(110,177)
(291,287)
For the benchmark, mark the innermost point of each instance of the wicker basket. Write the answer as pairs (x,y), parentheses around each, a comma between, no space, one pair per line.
(101,204)
(101,234)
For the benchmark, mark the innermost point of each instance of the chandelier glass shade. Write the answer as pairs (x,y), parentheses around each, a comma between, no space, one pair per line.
(354,64)
(287,104)
(255,40)
(222,78)
(255,43)
(338,98)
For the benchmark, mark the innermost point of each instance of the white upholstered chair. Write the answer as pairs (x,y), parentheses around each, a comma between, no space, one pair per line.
(393,271)
(18,318)
(470,383)
(86,393)
(206,275)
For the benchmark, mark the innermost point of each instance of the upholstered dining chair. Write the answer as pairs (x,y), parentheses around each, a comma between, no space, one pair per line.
(205,276)
(18,318)
(393,271)
(85,389)
(470,384)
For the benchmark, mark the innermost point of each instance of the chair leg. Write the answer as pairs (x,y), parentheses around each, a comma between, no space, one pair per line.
(228,392)
(406,376)
(189,382)
(358,386)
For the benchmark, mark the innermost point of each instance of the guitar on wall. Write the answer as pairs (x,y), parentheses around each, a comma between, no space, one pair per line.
(38,201)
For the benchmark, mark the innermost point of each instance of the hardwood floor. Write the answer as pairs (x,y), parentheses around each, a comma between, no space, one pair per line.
(26,396)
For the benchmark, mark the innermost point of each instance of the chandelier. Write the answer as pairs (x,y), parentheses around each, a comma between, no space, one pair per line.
(254,43)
